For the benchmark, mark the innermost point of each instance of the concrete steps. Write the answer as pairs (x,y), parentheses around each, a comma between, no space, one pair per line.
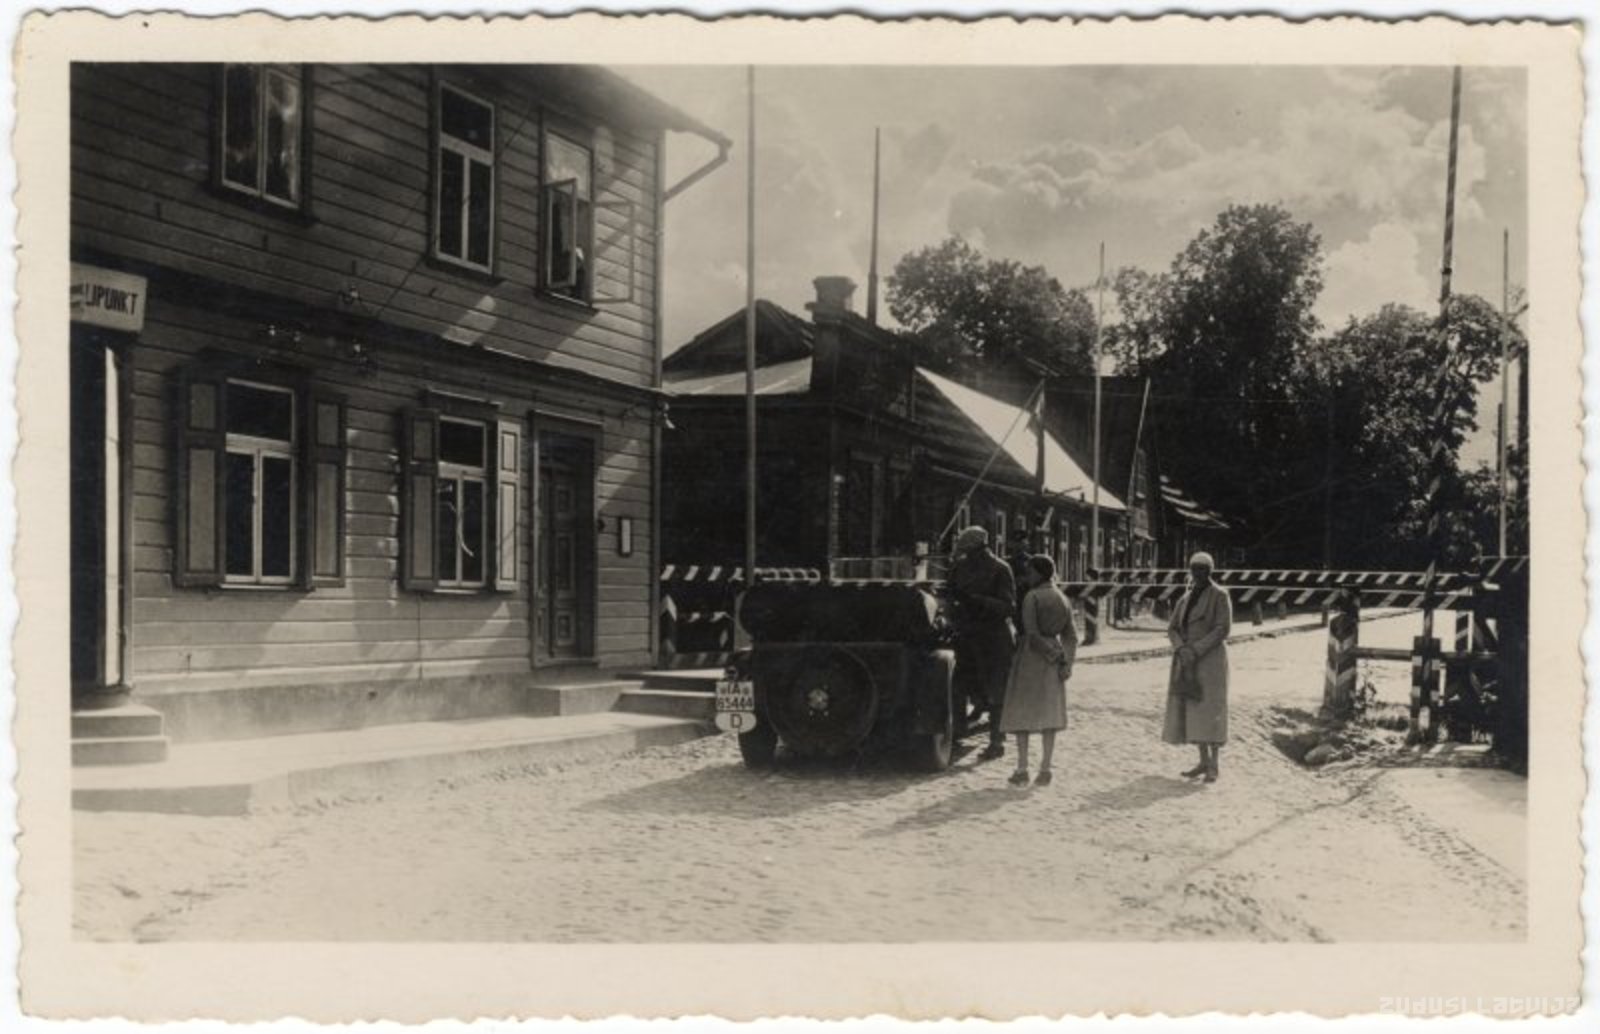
(577,697)
(695,680)
(126,735)
(674,703)
(239,776)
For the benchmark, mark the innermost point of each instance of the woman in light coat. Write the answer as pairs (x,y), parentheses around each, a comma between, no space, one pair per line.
(1036,692)
(1197,689)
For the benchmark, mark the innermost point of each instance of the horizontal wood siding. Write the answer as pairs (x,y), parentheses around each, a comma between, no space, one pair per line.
(369,627)
(141,175)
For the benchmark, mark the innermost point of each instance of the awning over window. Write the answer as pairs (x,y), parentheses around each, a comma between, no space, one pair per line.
(999,421)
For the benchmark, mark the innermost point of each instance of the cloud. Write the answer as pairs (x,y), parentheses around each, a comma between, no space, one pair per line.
(1360,275)
(1338,159)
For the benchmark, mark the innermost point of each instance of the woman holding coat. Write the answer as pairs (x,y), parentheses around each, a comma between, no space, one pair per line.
(1036,692)
(1197,689)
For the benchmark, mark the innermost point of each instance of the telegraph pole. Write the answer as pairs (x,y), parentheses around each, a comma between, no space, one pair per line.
(750,338)
(1505,374)
(872,273)
(1094,510)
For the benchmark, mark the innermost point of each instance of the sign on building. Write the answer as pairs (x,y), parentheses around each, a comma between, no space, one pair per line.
(107,298)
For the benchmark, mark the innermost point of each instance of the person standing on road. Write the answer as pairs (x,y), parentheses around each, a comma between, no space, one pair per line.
(983,595)
(1036,694)
(1197,688)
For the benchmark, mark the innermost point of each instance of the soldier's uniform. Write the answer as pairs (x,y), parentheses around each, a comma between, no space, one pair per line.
(983,593)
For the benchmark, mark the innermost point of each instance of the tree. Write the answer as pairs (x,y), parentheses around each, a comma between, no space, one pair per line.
(1384,370)
(1137,339)
(1230,325)
(995,308)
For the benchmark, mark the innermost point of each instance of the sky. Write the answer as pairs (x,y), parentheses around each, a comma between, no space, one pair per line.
(1043,164)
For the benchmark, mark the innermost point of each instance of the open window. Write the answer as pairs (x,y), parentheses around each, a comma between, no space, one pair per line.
(262,133)
(587,250)
(260,482)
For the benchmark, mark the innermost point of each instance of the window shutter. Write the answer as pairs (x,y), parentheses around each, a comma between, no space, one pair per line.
(419,499)
(323,506)
(508,505)
(200,502)
(608,246)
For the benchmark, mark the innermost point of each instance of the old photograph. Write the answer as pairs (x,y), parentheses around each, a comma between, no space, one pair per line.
(693,498)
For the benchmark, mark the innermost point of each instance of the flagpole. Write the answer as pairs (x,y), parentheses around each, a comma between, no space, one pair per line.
(872,274)
(1094,512)
(750,337)
(1505,373)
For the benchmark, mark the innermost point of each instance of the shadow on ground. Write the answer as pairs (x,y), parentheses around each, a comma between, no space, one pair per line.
(1141,793)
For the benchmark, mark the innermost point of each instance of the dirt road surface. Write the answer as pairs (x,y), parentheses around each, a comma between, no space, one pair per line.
(684,844)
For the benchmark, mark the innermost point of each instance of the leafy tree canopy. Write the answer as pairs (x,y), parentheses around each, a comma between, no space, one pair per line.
(970,310)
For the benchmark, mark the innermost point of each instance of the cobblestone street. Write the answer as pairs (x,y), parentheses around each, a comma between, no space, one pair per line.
(684,844)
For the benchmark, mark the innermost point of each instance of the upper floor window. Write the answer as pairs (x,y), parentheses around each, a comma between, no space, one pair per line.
(263,133)
(463,179)
(567,257)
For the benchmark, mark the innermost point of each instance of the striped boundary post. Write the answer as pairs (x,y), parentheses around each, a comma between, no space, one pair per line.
(1344,635)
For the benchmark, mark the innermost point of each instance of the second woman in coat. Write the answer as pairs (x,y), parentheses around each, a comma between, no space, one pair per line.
(1036,693)
(1197,690)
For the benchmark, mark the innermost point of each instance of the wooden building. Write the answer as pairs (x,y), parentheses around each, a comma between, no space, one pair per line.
(864,460)
(366,386)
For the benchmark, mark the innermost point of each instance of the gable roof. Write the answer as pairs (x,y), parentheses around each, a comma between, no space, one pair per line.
(780,336)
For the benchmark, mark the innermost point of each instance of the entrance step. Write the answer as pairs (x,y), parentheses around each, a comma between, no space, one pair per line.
(112,722)
(123,750)
(235,777)
(676,703)
(129,734)
(698,680)
(578,697)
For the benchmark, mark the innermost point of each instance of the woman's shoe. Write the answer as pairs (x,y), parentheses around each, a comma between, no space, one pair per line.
(1211,774)
(1196,771)
(1043,778)
(1019,777)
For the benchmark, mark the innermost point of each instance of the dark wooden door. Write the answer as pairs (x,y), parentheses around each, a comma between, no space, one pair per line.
(566,557)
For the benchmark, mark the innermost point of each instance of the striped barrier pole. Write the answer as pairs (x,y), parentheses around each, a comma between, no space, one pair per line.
(1344,635)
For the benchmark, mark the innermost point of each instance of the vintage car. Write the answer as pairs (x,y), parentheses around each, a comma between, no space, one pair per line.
(838,669)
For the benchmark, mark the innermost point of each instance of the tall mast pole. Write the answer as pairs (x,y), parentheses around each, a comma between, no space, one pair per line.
(1423,690)
(750,337)
(872,274)
(1094,510)
(1505,375)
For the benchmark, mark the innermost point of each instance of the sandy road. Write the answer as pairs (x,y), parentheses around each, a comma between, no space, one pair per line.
(684,844)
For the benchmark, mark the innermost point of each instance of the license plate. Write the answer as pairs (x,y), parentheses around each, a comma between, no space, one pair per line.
(736,705)
(736,695)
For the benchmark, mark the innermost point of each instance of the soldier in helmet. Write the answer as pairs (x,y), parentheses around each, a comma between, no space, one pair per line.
(983,595)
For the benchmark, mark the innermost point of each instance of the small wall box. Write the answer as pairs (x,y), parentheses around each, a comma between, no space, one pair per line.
(625,536)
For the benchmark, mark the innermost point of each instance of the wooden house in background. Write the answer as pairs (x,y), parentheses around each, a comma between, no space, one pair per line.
(365,386)
(864,460)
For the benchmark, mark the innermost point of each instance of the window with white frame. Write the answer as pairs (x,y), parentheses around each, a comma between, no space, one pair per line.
(463,178)
(262,134)
(463,499)
(259,484)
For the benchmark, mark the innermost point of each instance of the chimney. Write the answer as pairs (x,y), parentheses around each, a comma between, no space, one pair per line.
(833,295)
